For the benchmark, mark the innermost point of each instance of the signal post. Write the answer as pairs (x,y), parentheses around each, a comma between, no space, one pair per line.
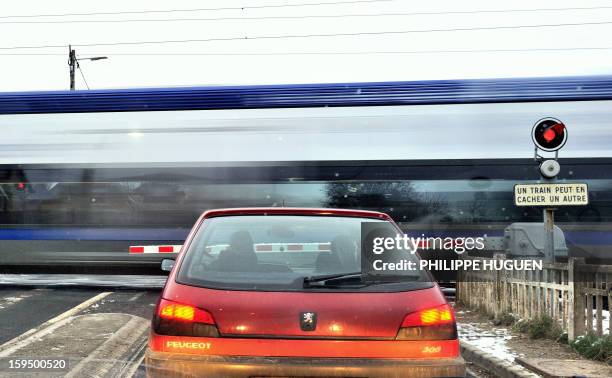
(550,135)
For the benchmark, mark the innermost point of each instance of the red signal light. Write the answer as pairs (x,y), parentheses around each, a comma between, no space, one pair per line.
(549,134)
(21,186)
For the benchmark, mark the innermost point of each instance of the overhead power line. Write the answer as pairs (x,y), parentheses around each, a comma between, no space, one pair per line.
(83,75)
(288,36)
(546,49)
(291,17)
(246,7)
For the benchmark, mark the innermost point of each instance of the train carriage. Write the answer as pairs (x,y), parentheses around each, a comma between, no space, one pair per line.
(85,175)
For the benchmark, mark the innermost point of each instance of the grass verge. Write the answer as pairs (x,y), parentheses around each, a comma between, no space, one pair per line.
(541,327)
(594,347)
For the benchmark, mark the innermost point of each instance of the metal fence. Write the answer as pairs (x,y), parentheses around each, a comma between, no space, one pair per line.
(572,293)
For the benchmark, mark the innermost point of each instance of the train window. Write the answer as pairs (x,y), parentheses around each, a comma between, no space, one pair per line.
(111,215)
(178,204)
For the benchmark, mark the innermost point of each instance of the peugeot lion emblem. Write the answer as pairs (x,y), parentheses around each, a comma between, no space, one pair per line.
(308,321)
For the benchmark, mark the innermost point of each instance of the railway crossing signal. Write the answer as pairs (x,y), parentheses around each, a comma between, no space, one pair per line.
(549,134)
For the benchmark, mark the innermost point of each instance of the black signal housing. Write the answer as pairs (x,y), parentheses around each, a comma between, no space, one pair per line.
(549,134)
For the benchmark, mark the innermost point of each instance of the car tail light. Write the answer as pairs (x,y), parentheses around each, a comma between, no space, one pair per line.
(436,323)
(179,319)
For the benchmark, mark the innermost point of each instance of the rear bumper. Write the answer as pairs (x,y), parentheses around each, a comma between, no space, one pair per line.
(162,364)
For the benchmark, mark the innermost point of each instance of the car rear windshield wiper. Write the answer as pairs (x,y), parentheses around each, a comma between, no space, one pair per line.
(325,279)
(330,280)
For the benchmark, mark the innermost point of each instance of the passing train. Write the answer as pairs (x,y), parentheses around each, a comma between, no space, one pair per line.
(86,174)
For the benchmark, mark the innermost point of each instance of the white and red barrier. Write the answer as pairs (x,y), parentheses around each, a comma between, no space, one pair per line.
(137,249)
(259,247)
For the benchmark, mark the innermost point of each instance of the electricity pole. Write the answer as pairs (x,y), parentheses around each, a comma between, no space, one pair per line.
(72,61)
(73,64)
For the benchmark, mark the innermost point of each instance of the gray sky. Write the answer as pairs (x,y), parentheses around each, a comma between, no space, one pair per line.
(177,68)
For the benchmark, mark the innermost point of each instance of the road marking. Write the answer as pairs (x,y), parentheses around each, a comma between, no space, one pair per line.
(107,359)
(136,296)
(47,327)
(131,372)
(80,307)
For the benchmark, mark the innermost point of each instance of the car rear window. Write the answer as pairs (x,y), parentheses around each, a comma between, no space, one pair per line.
(276,252)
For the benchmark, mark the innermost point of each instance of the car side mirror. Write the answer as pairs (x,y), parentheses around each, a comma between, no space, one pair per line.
(167,264)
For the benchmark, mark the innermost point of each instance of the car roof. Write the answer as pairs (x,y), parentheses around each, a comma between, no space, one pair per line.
(295,211)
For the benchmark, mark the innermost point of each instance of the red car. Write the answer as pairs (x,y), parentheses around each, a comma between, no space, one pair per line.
(278,292)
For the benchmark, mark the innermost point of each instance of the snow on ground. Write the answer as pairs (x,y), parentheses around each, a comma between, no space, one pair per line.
(6,301)
(495,341)
(491,342)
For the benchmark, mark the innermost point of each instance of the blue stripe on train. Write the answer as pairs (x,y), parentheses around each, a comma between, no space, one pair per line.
(153,234)
(578,88)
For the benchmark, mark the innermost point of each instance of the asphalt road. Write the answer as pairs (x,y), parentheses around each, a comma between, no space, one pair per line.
(86,327)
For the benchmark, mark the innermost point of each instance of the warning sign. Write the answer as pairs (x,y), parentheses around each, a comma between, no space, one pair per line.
(551,194)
